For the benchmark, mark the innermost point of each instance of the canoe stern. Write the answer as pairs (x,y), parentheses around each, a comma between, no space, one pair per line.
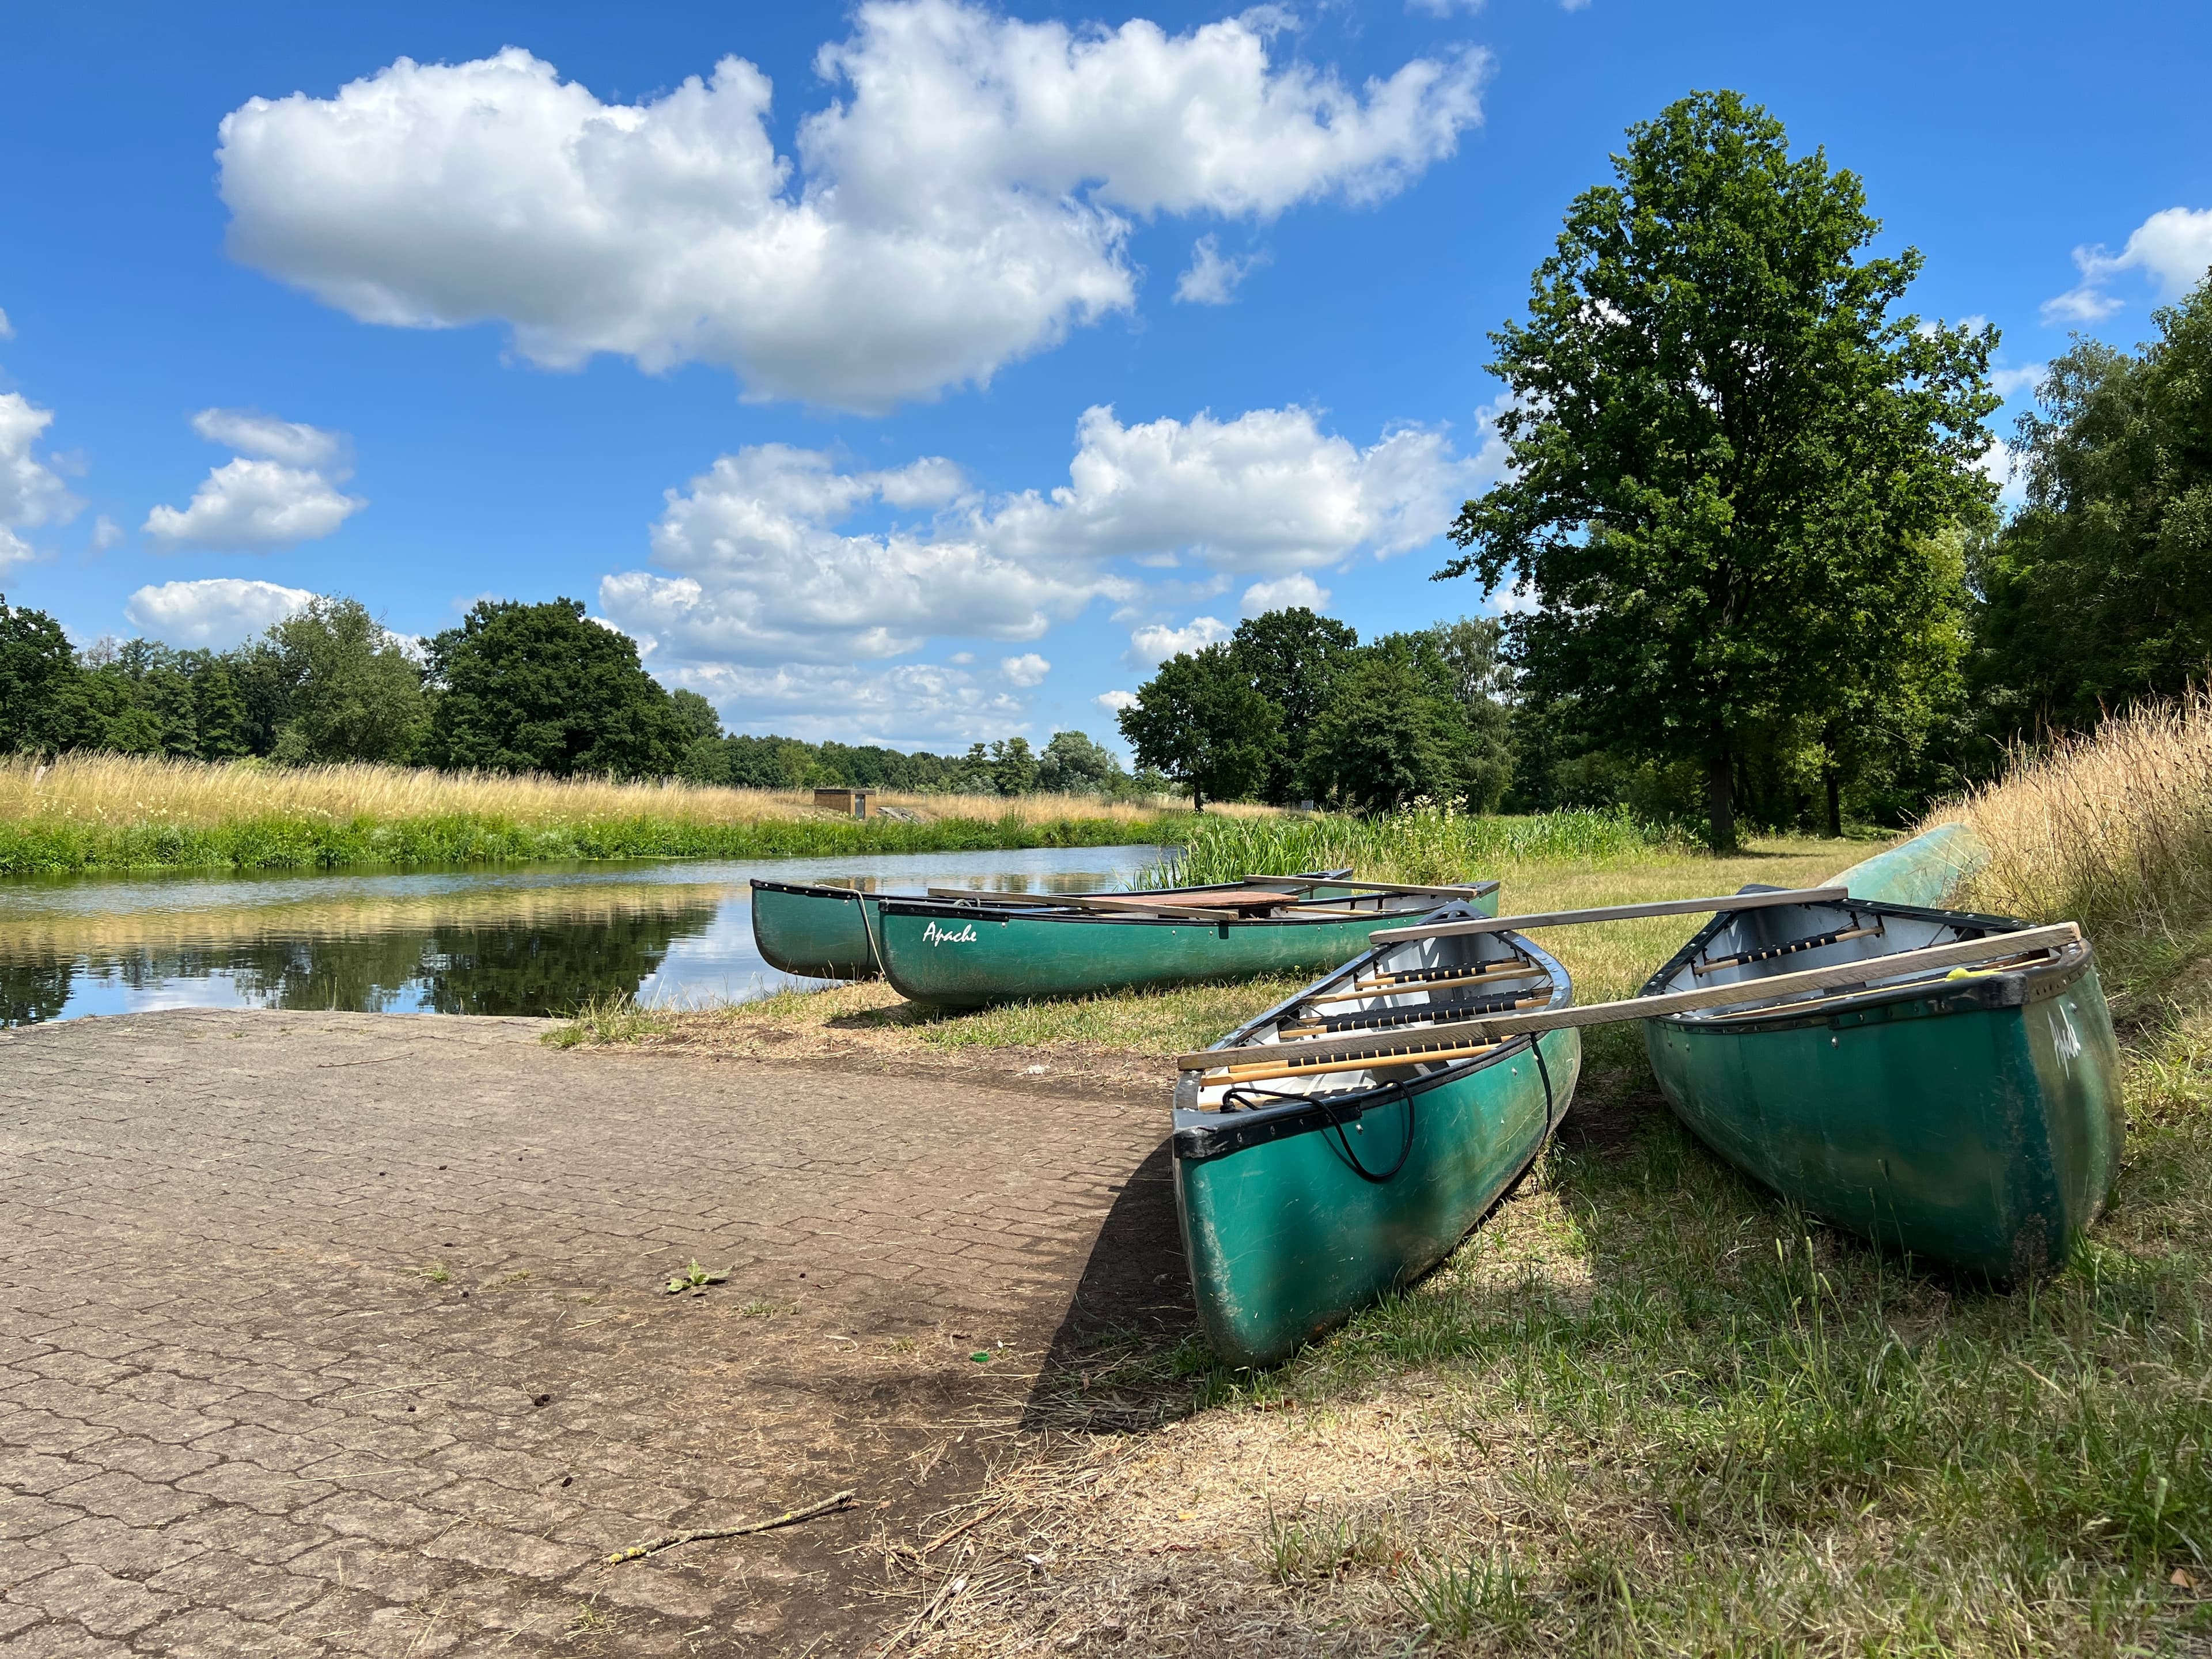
(1977,1121)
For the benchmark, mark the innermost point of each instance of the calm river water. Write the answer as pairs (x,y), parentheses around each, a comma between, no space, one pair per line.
(538,940)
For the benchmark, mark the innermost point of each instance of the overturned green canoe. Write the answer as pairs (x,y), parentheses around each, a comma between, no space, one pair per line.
(961,954)
(1303,1198)
(1972,1117)
(815,931)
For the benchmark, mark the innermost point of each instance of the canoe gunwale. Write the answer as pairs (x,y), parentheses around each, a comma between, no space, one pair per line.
(1236,1129)
(956,910)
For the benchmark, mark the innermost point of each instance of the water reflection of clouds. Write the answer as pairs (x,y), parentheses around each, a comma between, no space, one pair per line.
(500,942)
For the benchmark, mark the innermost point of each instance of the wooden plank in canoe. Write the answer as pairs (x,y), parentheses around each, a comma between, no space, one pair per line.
(1966,953)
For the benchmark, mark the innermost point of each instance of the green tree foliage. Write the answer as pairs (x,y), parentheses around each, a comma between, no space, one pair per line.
(1072,764)
(1400,723)
(1201,720)
(1722,441)
(2099,590)
(1013,767)
(540,688)
(706,755)
(1291,658)
(38,681)
(352,692)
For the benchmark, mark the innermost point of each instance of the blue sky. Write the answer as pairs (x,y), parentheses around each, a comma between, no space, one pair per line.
(924,373)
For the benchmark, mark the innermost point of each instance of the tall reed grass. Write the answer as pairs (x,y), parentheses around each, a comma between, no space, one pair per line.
(2112,827)
(122,812)
(1427,844)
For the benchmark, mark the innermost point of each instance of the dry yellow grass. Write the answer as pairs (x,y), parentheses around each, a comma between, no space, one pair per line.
(2115,826)
(116,789)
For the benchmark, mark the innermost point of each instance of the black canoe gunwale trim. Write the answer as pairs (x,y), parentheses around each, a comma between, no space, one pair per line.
(1234,1130)
(2008,987)
(957,909)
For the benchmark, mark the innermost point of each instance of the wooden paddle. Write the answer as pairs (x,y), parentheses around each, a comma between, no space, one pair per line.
(1965,953)
(1612,912)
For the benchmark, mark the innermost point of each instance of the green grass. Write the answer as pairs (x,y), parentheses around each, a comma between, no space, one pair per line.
(1706,1423)
(1424,844)
(304,842)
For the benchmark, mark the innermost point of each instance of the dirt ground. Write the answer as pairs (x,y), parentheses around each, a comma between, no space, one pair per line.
(338,1333)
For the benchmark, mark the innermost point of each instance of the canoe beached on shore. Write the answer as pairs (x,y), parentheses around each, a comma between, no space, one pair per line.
(967,950)
(1354,1135)
(1970,1115)
(819,931)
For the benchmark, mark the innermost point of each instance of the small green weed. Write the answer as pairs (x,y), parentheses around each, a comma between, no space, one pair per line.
(436,1273)
(694,1278)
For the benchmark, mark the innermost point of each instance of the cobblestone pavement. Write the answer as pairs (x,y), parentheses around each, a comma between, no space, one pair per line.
(341,1334)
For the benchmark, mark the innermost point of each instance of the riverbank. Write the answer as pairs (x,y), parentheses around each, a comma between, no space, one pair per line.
(1648,1407)
(94,812)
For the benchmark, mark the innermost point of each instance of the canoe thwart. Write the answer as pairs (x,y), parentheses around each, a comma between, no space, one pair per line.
(1614,913)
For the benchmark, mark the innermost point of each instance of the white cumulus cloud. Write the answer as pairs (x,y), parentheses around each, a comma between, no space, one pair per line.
(1150,646)
(2173,247)
(250,433)
(1027,669)
(2007,381)
(757,564)
(917,704)
(1114,701)
(1211,279)
(1268,492)
(31,492)
(963,202)
(764,574)
(254,507)
(216,613)
(1285,593)
(282,491)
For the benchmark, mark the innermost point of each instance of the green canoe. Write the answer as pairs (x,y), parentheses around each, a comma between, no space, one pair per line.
(1303,1198)
(819,931)
(1972,1117)
(964,954)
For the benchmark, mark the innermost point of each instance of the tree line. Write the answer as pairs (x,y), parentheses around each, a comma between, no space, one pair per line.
(1763,575)
(514,688)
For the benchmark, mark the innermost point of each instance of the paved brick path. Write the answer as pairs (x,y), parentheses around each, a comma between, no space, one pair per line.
(340,1334)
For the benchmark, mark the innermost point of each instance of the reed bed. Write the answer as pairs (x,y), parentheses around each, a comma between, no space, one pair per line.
(120,812)
(2110,827)
(1421,844)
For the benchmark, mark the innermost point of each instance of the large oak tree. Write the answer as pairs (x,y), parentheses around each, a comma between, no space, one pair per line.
(1727,455)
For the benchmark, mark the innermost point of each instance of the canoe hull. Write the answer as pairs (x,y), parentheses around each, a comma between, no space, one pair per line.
(1285,1240)
(816,932)
(1975,1120)
(965,956)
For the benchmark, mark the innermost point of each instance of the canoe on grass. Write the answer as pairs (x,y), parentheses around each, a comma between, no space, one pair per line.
(819,931)
(1971,1116)
(1309,1188)
(965,953)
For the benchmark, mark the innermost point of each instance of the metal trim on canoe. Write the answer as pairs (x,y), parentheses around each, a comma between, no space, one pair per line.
(1239,1128)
